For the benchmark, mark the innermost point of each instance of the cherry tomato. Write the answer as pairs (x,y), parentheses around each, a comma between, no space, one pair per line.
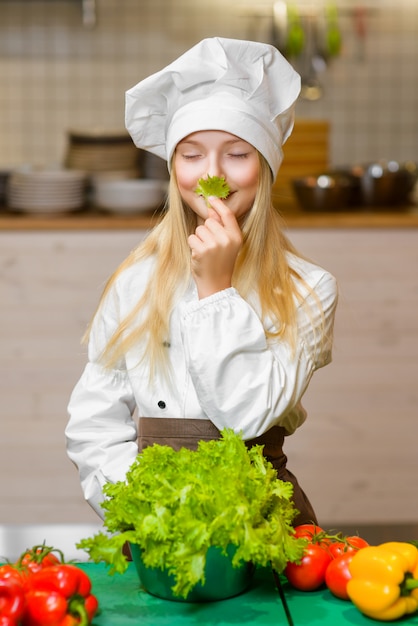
(34,562)
(308,530)
(314,534)
(338,575)
(310,573)
(351,544)
(356,543)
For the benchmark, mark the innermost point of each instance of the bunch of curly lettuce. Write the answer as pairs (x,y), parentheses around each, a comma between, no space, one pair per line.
(175,505)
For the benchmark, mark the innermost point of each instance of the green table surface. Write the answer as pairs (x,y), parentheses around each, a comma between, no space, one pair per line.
(123,603)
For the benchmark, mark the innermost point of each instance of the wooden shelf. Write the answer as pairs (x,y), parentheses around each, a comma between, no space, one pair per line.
(404,217)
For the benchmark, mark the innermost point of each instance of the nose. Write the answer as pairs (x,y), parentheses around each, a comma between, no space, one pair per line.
(214,165)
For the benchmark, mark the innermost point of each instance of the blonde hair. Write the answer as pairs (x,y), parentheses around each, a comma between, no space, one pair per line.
(261,268)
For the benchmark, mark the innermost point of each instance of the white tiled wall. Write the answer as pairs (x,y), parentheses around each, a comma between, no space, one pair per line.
(56,74)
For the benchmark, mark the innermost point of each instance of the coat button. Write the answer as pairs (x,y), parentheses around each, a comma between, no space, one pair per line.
(161,404)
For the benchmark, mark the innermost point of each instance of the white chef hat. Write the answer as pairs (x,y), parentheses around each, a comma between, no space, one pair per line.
(245,88)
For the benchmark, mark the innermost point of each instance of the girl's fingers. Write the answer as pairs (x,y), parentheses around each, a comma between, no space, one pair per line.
(219,211)
(196,244)
(212,213)
(220,234)
(217,207)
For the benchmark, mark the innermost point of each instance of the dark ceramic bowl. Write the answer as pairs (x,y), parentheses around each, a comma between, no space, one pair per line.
(405,181)
(384,183)
(222,580)
(324,192)
(4,177)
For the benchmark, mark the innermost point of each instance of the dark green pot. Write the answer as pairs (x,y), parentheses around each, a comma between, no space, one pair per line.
(222,580)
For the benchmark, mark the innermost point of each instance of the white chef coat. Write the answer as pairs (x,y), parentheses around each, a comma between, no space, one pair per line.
(223,369)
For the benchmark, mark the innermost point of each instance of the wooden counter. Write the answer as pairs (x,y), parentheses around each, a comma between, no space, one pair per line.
(402,217)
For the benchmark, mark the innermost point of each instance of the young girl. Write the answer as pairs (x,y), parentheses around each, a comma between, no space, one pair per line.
(214,321)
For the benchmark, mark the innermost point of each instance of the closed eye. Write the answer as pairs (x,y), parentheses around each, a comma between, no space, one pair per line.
(189,157)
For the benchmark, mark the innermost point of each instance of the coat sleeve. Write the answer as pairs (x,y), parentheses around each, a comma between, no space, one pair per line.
(242,380)
(101,432)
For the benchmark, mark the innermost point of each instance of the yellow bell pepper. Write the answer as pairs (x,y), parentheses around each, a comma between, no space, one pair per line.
(384,580)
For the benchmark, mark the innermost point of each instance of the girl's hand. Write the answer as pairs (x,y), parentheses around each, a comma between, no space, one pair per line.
(215,246)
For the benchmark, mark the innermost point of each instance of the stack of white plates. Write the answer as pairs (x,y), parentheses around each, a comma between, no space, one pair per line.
(46,191)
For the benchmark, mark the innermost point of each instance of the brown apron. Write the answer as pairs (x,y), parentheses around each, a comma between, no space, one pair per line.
(186,433)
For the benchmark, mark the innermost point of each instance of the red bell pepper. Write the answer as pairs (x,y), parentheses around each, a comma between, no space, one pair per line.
(13,573)
(12,602)
(8,621)
(59,595)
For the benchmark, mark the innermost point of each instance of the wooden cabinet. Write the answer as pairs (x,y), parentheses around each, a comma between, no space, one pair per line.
(306,152)
(356,454)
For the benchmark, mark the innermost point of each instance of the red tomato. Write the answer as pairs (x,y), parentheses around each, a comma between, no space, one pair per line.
(310,573)
(356,543)
(308,530)
(351,544)
(314,534)
(37,559)
(336,548)
(338,575)
(34,561)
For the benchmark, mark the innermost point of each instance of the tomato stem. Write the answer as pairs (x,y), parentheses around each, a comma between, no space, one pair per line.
(324,536)
(37,553)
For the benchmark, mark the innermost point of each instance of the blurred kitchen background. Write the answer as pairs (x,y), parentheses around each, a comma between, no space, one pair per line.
(65,64)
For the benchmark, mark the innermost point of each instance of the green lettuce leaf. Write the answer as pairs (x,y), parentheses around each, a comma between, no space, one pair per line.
(212,186)
(175,505)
